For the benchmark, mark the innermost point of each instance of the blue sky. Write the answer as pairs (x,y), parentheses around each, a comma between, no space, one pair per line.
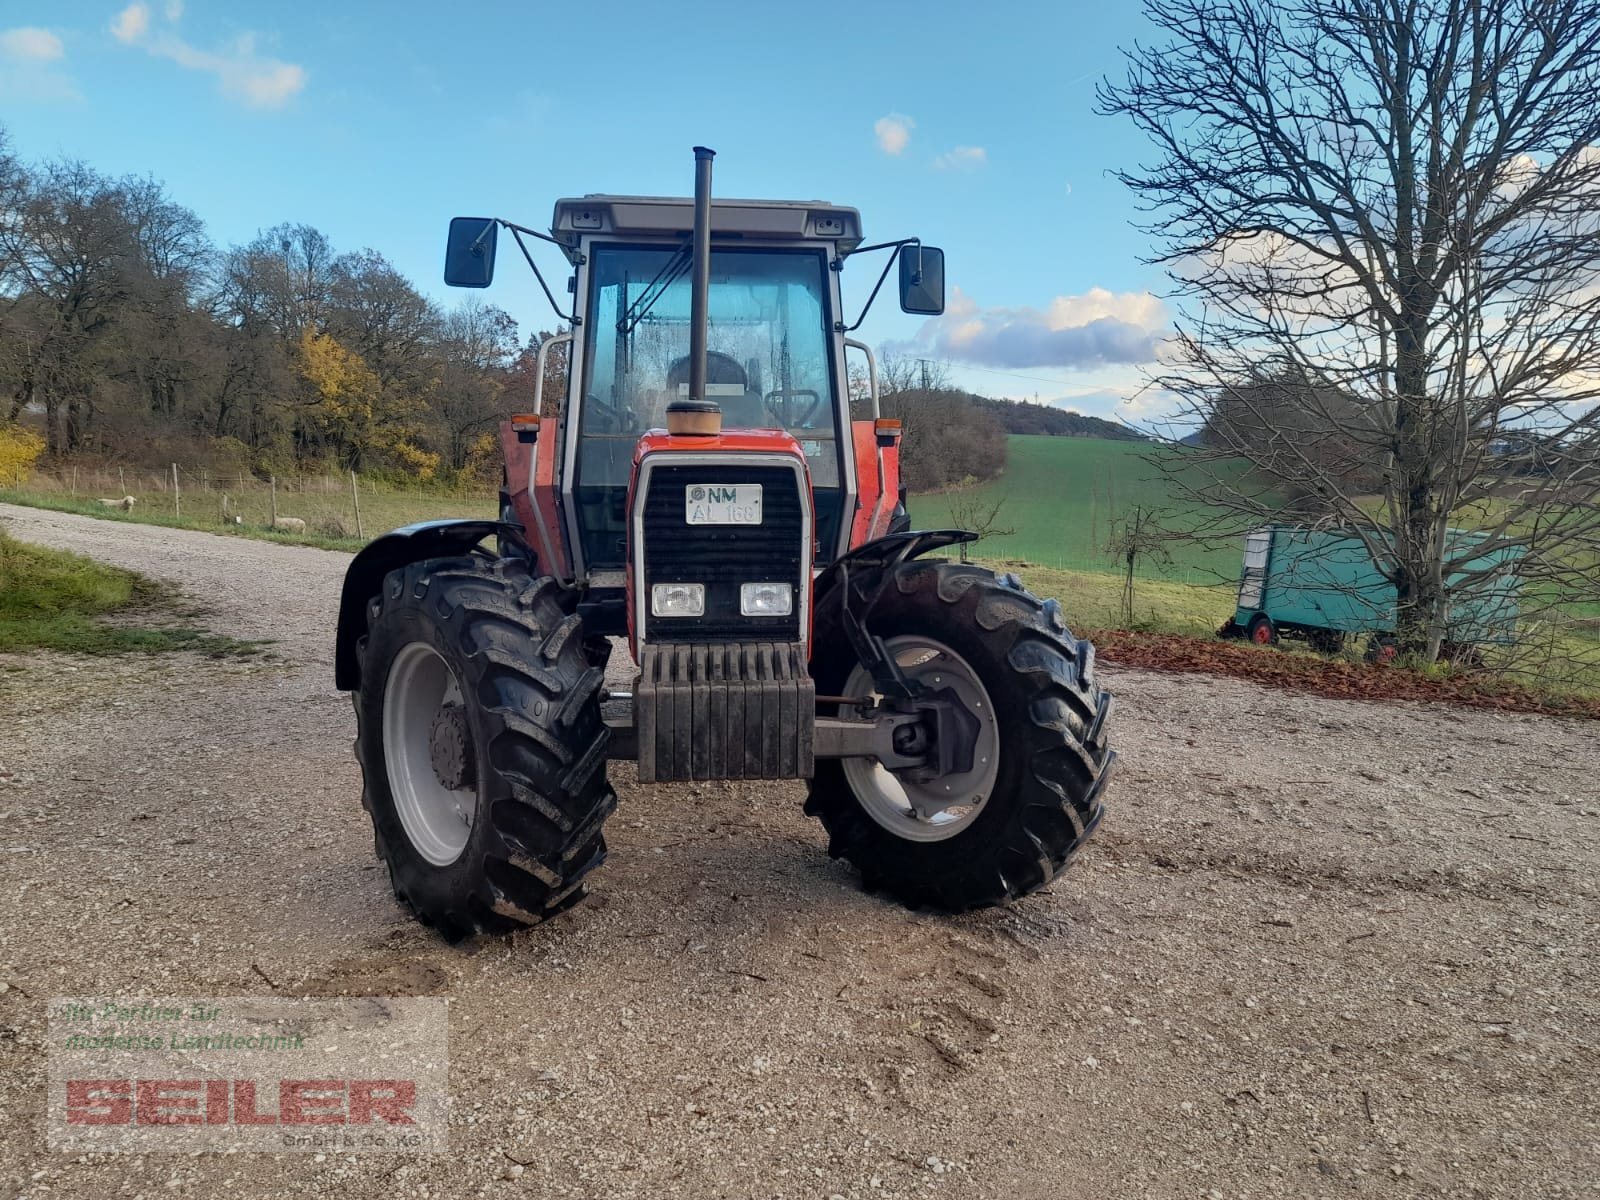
(970,126)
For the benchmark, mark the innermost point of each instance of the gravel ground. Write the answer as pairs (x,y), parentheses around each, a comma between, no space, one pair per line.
(1319,948)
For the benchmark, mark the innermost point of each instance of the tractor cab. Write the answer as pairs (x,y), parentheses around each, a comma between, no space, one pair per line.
(774,359)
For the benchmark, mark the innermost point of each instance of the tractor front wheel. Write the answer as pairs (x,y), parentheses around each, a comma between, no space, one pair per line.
(1011,815)
(481,744)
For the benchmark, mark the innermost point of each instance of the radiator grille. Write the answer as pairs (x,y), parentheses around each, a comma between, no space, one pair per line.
(723,556)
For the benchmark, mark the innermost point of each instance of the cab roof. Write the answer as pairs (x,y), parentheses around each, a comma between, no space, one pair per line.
(673,216)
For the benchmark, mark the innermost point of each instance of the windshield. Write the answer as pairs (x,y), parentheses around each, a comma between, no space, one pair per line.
(768,358)
(768,364)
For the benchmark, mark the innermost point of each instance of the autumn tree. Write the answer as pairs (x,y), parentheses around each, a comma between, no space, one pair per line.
(1392,205)
(70,258)
(477,345)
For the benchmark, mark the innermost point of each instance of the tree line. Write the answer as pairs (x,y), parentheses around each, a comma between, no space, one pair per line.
(130,332)
(1028,417)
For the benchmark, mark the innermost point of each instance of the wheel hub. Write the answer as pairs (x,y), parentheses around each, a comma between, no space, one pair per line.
(450,748)
(930,804)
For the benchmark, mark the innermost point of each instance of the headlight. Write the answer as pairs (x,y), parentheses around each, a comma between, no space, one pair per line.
(766,599)
(678,600)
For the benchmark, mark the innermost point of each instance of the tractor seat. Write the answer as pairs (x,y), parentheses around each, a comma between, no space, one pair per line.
(727,384)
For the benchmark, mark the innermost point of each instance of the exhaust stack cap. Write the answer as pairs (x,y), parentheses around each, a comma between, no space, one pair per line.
(694,418)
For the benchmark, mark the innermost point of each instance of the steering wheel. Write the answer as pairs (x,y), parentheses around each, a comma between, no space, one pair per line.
(786,397)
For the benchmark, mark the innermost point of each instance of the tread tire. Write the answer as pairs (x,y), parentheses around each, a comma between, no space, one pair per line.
(532,705)
(1054,757)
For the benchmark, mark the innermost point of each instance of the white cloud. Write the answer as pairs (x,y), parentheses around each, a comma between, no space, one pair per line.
(31,43)
(29,67)
(256,80)
(132,24)
(962,158)
(1097,329)
(893,132)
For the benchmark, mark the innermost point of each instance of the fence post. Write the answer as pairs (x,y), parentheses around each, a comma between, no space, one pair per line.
(177,502)
(122,484)
(274,481)
(355,497)
(74,479)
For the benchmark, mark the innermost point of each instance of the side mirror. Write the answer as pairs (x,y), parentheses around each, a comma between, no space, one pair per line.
(469,255)
(922,280)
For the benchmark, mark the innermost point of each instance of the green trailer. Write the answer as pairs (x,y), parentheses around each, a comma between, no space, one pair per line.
(1323,586)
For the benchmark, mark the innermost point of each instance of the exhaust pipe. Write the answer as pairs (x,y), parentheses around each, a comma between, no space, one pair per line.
(699,414)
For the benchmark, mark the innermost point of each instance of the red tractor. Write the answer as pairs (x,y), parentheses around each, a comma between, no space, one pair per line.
(706,492)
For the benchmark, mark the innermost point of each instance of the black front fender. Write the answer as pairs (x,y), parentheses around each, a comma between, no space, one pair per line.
(409,544)
(889,551)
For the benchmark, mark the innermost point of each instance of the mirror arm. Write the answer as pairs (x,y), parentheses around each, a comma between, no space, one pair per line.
(840,326)
(515,228)
(517,231)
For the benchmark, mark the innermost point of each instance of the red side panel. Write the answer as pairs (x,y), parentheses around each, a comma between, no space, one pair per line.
(877,480)
(891,488)
(869,487)
(538,513)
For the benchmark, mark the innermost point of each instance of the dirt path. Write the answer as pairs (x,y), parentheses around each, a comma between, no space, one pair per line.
(1319,948)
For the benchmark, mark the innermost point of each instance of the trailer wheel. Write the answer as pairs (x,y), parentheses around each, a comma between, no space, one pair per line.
(481,744)
(1382,649)
(1262,631)
(1040,758)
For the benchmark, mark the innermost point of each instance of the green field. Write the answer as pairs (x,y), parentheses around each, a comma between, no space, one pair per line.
(1061,496)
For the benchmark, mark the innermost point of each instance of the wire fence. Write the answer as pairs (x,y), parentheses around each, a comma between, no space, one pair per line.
(333,506)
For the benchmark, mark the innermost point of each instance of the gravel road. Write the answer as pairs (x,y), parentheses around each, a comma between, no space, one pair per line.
(1319,948)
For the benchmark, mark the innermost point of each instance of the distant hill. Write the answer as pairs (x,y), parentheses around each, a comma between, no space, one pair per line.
(1024,416)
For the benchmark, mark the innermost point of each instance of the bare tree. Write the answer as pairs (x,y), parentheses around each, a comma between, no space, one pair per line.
(1391,204)
(977,514)
(1137,535)
(949,439)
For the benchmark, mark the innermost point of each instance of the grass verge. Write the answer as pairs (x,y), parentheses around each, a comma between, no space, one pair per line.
(53,600)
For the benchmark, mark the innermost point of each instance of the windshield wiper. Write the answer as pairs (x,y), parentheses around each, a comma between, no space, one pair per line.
(669,274)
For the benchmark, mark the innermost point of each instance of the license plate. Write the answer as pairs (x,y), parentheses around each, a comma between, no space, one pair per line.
(722,504)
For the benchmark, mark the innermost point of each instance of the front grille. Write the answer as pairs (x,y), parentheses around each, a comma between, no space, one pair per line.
(723,556)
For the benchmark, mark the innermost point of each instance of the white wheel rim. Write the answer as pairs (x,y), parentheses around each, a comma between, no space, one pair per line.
(437,820)
(893,802)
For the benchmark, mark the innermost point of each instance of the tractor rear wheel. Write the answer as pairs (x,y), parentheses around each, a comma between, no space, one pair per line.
(1039,763)
(481,744)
